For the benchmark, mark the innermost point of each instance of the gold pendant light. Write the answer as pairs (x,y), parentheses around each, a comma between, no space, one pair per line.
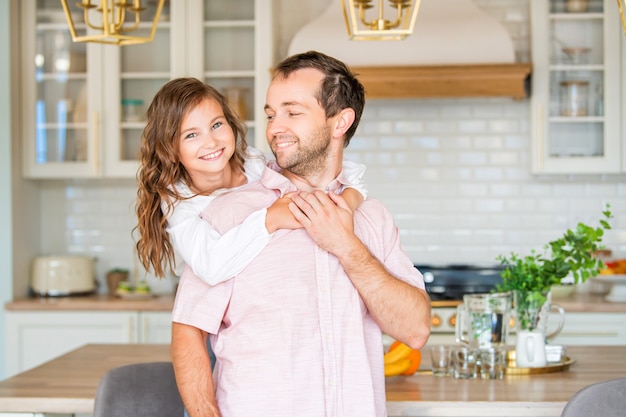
(114,21)
(621,4)
(393,22)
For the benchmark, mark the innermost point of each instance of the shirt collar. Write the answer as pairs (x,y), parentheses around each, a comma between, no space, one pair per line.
(273,179)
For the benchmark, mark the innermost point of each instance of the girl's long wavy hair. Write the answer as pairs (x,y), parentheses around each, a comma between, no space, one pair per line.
(160,166)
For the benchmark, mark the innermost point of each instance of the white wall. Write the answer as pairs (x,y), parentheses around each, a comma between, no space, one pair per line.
(455,173)
(6,253)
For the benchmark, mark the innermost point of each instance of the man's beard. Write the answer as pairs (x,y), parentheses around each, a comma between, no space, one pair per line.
(310,159)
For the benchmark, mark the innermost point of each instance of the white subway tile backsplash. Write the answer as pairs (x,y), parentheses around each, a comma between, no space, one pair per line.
(424,142)
(488,142)
(409,126)
(473,126)
(504,190)
(569,190)
(489,174)
(472,158)
(503,126)
(506,158)
(473,190)
(440,127)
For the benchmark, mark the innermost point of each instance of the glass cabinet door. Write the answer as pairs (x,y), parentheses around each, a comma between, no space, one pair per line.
(575,54)
(231,29)
(60,124)
(132,76)
(85,103)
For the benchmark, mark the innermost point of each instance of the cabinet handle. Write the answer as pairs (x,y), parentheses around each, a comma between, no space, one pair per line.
(132,331)
(96,143)
(540,137)
(144,329)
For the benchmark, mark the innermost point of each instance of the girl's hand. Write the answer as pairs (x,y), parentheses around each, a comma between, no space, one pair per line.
(353,198)
(279,216)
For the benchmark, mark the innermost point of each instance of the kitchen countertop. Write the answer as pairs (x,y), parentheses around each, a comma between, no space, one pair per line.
(91,302)
(68,384)
(577,302)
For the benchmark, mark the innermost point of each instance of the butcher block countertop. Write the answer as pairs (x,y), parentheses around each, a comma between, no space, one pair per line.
(68,384)
(577,302)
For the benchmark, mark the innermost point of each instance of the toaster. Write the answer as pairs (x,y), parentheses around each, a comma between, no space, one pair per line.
(63,275)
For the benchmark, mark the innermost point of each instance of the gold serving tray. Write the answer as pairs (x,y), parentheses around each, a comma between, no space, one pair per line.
(512,369)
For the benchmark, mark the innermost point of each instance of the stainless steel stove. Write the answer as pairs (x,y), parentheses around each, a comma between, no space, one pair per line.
(446,285)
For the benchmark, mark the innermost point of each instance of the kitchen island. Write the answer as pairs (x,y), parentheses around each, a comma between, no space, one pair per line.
(68,384)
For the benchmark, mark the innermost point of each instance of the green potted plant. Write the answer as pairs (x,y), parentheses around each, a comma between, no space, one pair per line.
(572,253)
(529,278)
(114,277)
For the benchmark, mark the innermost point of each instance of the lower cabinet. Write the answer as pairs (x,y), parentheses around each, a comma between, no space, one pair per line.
(36,337)
(579,329)
(591,329)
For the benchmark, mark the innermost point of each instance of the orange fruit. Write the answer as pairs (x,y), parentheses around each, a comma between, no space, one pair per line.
(415,356)
(416,359)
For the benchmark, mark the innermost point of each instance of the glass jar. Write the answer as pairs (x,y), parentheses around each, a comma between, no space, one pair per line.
(574,98)
(576,6)
(236,97)
(132,110)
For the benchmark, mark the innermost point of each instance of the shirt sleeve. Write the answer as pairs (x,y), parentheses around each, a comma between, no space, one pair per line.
(352,175)
(215,258)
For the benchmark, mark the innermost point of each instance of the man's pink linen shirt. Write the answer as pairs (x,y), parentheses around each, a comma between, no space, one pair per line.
(291,334)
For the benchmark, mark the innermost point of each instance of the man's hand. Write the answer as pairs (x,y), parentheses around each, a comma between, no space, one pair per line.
(326,217)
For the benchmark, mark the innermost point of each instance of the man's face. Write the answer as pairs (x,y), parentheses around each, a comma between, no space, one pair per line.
(297,131)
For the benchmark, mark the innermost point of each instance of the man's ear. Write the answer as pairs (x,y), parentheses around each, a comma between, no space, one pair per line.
(343,121)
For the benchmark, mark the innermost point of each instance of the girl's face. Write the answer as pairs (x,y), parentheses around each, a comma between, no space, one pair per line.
(207,143)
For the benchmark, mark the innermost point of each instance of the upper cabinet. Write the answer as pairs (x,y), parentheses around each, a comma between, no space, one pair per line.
(84,104)
(575,113)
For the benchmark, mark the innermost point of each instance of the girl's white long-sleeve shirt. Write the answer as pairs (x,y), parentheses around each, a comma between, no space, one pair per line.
(214,258)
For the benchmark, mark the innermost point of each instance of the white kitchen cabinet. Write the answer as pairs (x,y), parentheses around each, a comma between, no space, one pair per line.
(592,329)
(579,329)
(155,327)
(74,120)
(34,337)
(575,113)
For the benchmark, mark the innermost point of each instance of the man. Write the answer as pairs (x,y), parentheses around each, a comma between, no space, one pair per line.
(298,332)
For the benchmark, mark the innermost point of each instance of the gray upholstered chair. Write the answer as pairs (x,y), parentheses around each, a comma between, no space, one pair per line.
(139,390)
(602,399)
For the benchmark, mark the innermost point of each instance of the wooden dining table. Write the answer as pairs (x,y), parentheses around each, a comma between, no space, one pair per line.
(67,384)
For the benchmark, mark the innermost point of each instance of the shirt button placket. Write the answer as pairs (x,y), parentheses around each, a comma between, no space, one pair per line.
(326,320)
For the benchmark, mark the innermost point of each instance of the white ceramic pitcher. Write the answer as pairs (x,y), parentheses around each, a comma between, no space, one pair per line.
(530,349)
(532,312)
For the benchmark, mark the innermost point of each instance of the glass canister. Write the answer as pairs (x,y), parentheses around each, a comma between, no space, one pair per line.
(574,97)
(132,110)
(236,97)
(576,6)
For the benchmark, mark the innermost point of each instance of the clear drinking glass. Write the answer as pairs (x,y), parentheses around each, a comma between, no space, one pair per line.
(440,360)
(464,362)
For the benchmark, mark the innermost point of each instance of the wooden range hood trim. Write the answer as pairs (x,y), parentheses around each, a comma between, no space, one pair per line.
(446,81)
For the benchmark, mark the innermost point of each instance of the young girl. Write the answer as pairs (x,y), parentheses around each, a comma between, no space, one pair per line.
(194,149)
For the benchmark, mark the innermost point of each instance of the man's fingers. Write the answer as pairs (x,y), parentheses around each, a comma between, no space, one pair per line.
(298,213)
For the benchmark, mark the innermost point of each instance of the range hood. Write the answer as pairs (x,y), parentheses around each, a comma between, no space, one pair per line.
(456,50)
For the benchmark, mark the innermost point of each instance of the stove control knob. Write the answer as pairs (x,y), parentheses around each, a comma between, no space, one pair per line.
(435,321)
(452,320)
